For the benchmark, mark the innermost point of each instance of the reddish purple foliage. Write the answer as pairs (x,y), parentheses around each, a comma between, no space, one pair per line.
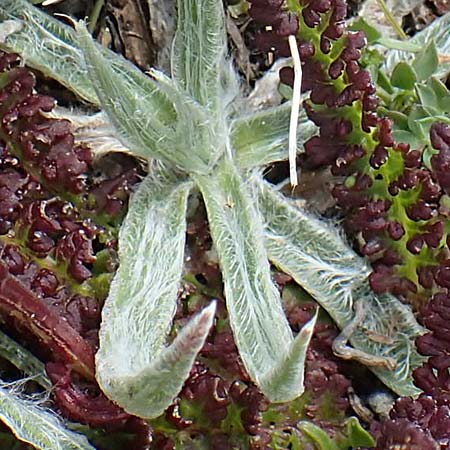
(52,213)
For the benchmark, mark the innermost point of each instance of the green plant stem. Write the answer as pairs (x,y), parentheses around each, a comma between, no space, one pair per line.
(391,19)
(93,19)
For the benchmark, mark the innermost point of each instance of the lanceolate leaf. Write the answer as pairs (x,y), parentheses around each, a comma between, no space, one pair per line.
(134,367)
(199,49)
(322,263)
(135,117)
(130,113)
(262,138)
(274,360)
(34,424)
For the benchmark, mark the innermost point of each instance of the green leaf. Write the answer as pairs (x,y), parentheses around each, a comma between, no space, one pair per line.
(262,138)
(315,255)
(400,119)
(318,436)
(23,360)
(134,367)
(371,32)
(35,425)
(407,137)
(442,94)
(384,82)
(403,76)
(427,96)
(427,154)
(199,49)
(272,357)
(439,31)
(415,122)
(396,44)
(426,62)
(357,436)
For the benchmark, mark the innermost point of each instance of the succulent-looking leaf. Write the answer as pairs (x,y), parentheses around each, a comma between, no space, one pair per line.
(273,358)
(355,436)
(439,31)
(199,50)
(403,76)
(262,138)
(23,360)
(134,368)
(35,425)
(324,265)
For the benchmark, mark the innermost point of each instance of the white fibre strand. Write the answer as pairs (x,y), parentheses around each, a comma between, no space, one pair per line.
(294,110)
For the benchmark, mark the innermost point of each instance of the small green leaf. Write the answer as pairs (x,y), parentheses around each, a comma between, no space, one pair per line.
(318,436)
(407,137)
(427,154)
(439,88)
(400,119)
(134,366)
(403,76)
(35,425)
(442,94)
(357,436)
(415,124)
(384,82)
(426,62)
(396,44)
(272,357)
(427,96)
(371,32)
(262,138)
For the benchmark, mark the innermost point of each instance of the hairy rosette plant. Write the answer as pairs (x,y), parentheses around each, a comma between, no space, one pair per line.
(197,136)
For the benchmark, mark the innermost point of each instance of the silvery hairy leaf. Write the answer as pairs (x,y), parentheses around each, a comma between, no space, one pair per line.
(322,263)
(135,117)
(34,424)
(50,46)
(271,355)
(262,137)
(135,368)
(198,50)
